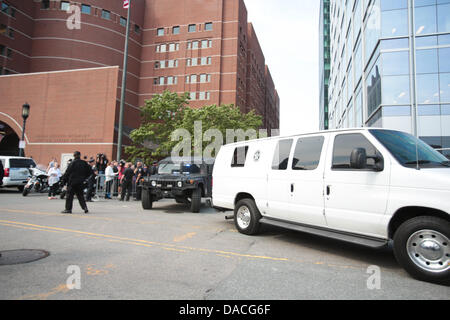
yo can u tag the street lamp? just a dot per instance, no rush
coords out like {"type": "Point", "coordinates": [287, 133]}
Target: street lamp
{"type": "Point", "coordinates": [25, 115]}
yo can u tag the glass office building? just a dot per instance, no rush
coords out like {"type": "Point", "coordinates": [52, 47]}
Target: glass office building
{"type": "Point", "coordinates": [324, 62]}
{"type": "Point", "coordinates": [390, 67]}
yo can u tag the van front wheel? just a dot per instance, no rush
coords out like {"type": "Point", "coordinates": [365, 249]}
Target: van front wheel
{"type": "Point", "coordinates": [422, 248]}
{"type": "Point", "coordinates": [246, 217]}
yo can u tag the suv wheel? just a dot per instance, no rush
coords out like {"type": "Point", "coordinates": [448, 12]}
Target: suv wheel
{"type": "Point", "coordinates": [196, 200]}
{"type": "Point", "coordinates": [147, 201]}
{"type": "Point", "coordinates": [422, 248]}
{"type": "Point", "coordinates": [246, 217]}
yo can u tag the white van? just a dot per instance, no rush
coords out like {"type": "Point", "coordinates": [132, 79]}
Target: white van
{"type": "Point", "coordinates": [365, 186]}
{"type": "Point", "coordinates": [16, 171]}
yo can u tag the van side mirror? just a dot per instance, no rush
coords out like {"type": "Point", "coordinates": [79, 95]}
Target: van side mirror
{"type": "Point", "coordinates": [358, 158]}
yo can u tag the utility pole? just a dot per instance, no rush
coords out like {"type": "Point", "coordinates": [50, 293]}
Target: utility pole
{"type": "Point", "coordinates": [126, 5]}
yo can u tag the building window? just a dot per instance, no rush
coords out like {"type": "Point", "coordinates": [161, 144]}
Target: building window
{"type": "Point", "coordinates": [208, 26]}
{"type": "Point", "coordinates": [176, 30]}
{"type": "Point", "coordinates": [5, 7]}
{"type": "Point", "coordinates": [123, 21]}
{"type": "Point", "coordinates": [8, 9]}
{"type": "Point", "coordinates": [2, 50]}
{"type": "Point", "coordinates": [193, 95]}
{"type": "Point", "coordinates": [45, 4]}
{"type": "Point", "coordinates": [64, 5]}
{"type": "Point", "coordinates": [137, 29]}
{"type": "Point", "coordinates": [160, 32]}
{"type": "Point", "coordinates": [203, 96]}
{"type": "Point", "coordinates": [85, 8]}
{"type": "Point", "coordinates": [106, 14]}
{"type": "Point", "coordinates": [192, 28]}
{"type": "Point", "coordinates": [161, 81]}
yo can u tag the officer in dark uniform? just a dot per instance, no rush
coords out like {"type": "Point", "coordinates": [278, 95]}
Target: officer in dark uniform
{"type": "Point", "coordinates": [2, 172]}
{"type": "Point", "coordinates": [76, 174]}
{"type": "Point", "coordinates": [91, 181]}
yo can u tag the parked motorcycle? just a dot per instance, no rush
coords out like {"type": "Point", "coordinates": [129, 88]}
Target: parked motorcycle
{"type": "Point", "coordinates": [37, 182]}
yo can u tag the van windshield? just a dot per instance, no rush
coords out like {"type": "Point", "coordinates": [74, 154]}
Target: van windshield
{"type": "Point", "coordinates": [408, 150]}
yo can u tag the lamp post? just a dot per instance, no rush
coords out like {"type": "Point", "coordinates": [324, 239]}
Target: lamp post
{"type": "Point", "coordinates": [25, 114]}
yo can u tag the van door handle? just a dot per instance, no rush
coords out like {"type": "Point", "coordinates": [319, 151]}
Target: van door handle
{"type": "Point", "coordinates": [292, 187]}
{"type": "Point", "coordinates": [328, 190]}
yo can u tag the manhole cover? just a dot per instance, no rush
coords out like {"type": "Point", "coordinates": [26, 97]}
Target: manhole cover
{"type": "Point", "coordinates": [21, 256]}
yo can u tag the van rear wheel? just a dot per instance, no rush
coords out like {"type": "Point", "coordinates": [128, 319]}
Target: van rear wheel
{"type": "Point", "coordinates": [422, 248]}
{"type": "Point", "coordinates": [247, 216]}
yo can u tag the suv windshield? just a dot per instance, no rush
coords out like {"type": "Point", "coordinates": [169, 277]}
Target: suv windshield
{"type": "Point", "coordinates": [180, 167]}
{"type": "Point", "coordinates": [408, 150]}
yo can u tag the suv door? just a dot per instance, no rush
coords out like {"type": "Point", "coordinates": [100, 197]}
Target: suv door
{"type": "Point", "coordinates": [18, 168]}
{"type": "Point", "coordinates": [355, 199]}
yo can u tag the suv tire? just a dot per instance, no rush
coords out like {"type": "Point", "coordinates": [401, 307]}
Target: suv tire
{"type": "Point", "coordinates": [247, 216]}
{"type": "Point", "coordinates": [422, 248]}
{"type": "Point", "coordinates": [147, 201]}
{"type": "Point", "coordinates": [196, 200]}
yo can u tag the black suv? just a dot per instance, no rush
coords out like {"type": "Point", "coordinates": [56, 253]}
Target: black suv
{"type": "Point", "coordinates": [186, 180]}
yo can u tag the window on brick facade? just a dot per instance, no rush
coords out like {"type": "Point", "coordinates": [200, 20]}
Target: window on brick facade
{"type": "Point", "coordinates": [176, 30]}
{"type": "Point", "coordinates": [192, 28]}
{"type": "Point", "coordinates": [45, 4]}
{"type": "Point", "coordinates": [106, 14]}
{"type": "Point", "coordinates": [64, 5]}
{"type": "Point", "coordinates": [85, 8]}
{"type": "Point", "coordinates": [160, 32]}
{"type": "Point", "coordinates": [123, 21]}
{"type": "Point", "coordinates": [208, 26]}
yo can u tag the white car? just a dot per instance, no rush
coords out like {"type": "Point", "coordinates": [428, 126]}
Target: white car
{"type": "Point", "coordinates": [366, 186]}
{"type": "Point", "coordinates": [16, 171]}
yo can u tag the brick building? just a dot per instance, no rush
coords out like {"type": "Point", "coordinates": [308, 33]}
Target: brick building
{"type": "Point", "coordinates": [204, 47]}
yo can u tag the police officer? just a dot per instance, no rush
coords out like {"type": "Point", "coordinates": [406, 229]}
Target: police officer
{"type": "Point", "coordinates": [91, 181]}
{"type": "Point", "coordinates": [139, 174]}
{"type": "Point", "coordinates": [1, 172]}
{"type": "Point", "coordinates": [76, 174]}
{"type": "Point", "coordinates": [127, 182]}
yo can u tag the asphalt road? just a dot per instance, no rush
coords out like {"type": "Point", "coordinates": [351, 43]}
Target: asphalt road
{"type": "Point", "coordinates": [120, 251]}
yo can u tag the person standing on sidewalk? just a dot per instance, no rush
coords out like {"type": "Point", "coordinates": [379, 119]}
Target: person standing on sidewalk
{"type": "Point", "coordinates": [76, 174]}
{"type": "Point", "coordinates": [127, 182]}
{"type": "Point", "coordinates": [109, 178]}
{"type": "Point", "coordinates": [53, 181]}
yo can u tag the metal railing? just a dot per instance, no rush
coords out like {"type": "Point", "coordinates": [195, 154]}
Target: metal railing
{"type": "Point", "coordinates": [104, 190]}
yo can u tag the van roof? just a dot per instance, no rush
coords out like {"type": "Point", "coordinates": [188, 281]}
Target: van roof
{"type": "Point", "coordinates": [307, 134]}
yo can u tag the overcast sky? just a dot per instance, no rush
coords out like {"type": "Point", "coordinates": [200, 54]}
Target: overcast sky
{"type": "Point", "coordinates": [288, 32]}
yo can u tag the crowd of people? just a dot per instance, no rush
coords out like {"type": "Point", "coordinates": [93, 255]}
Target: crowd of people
{"type": "Point", "coordinates": [119, 179]}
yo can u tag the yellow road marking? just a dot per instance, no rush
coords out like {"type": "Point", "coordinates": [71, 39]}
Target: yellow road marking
{"type": "Point", "coordinates": [136, 241]}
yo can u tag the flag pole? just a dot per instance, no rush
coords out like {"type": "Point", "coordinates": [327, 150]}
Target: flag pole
{"type": "Point", "coordinates": [124, 84]}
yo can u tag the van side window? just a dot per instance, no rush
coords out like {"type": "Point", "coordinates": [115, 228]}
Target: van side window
{"type": "Point", "coordinates": [239, 156]}
{"type": "Point", "coordinates": [343, 147]}
{"type": "Point", "coordinates": [307, 153]}
{"type": "Point", "coordinates": [281, 156]}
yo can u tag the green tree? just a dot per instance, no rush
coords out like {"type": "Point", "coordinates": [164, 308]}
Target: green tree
{"type": "Point", "coordinates": [160, 117]}
{"type": "Point", "coordinates": [220, 118]}
{"type": "Point", "coordinates": [165, 113]}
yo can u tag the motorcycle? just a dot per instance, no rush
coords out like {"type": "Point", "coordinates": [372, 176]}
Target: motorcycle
{"type": "Point", "coordinates": [37, 182]}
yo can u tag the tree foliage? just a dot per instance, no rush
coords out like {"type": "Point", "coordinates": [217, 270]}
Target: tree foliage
{"type": "Point", "coordinates": [166, 112]}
